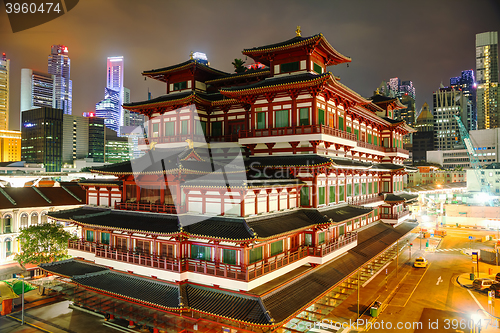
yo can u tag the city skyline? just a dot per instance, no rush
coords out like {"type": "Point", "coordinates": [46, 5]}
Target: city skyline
{"type": "Point", "coordinates": [419, 52]}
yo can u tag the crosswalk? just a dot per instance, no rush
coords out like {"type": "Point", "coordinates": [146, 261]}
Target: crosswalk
{"type": "Point", "coordinates": [447, 250]}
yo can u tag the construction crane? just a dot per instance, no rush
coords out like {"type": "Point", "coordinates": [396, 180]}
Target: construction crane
{"type": "Point", "coordinates": [474, 161]}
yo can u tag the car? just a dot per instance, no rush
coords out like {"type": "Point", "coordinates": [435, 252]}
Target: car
{"type": "Point", "coordinates": [482, 284]}
{"type": "Point", "coordinates": [495, 287]}
{"type": "Point", "coordinates": [420, 262]}
{"type": "Point", "coordinates": [497, 277]}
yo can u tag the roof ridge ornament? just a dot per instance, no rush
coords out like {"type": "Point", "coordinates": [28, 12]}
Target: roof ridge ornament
{"type": "Point", "coordinates": [298, 31]}
{"type": "Point", "coordinates": [191, 55]}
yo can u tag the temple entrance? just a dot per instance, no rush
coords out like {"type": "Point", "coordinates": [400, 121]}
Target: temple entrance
{"type": "Point", "coordinates": [235, 127]}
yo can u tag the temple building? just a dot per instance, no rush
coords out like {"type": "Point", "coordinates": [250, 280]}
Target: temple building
{"type": "Point", "coordinates": [258, 194]}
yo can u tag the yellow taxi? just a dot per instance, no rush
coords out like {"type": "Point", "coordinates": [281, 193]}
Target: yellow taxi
{"type": "Point", "coordinates": [420, 262]}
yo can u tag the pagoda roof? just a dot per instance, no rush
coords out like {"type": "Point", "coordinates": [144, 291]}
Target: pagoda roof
{"type": "Point", "coordinates": [26, 197]}
{"type": "Point", "coordinates": [249, 73]}
{"type": "Point", "coordinates": [241, 183]}
{"type": "Point", "coordinates": [388, 166]}
{"type": "Point", "coordinates": [305, 161]}
{"type": "Point", "coordinates": [70, 267]}
{"type": "Point", "coordinates": [333, 57]}
{"type": "Point", "coordinates": [159, 73]}
{"type": "Point", "coordinates": [343, 213]}
{"type": "Point", "coordinates": [104, 182]}
{"type": "Point", "coordinates": [181, 98]}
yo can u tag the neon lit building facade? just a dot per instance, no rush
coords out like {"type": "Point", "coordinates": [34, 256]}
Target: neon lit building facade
{"type": "Point", "coordinates": [59, 65]}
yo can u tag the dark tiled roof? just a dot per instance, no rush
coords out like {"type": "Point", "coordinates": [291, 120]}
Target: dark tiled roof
{"type": "Point", "coordinates": [394, 198]}
{"type": "Point", "coordinates": [278, 161]}
{"type": "Point", "coordinates": [100, 182]}
{"type": "Point", "coordinates": [388, 166]}
{"type": "Point", "coordinates": [185, 64]}
{"type": "Point", "coordinates": [276, 81]}
{"type": "Point", "coordinates": [25, 197]}
{"type": "Point", "coordinates": [291, 41]}
{"type": "Point", "coordinates": [285, 301]}
{"type": "Point", "coordinates": [247, 73]}
{"type": "Point", "coordinates": [71, 267]}
{"type": "Point", "coordinates": [346, 162]}
{"type": "Point", "coordinates": [344, 213]}
{"type": "Point", "coordinates": [228, 228]}
{"type": "Point", "coordinates": [226, 304]}
{"type": "Point", "coordinates": [176, 96]}
{"type": "Point", "coordinates": [377, 98]}
{"type": "Point", "coordinates": [268, 226]}
{"type": "Point", "coordinates": [131, 286]}
{"type": "Point", "coordinates": [392, 121]}
{"type": "Point", "coordinates": [408, 196]}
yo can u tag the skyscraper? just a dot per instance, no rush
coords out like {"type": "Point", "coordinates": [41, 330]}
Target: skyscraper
{"type": "Point", "coordinates": [487, 79]}
{"type": "Point", "coordinates": [423, 139]}
{"type": "Point", "coordinates": [59, 66]}
{"type": "Point", "coordinates": [467, 84]}
{"type": "Point", "coordinates": [109, 109]}
{"type": "Point", "coordinates": [447, 102]}
{"type": "Point", "coordinates": [114, 81]}
{"type": "Point", "coordinates": [4, 92]}
{"type": "Point", "coordinates": [37, 89]}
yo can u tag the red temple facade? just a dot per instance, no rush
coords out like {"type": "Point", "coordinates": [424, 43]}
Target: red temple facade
{"type": "Point", "coordinates": [283, 167]}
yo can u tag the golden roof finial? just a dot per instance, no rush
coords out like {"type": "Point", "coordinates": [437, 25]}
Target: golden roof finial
{"type": "Point", "coordinates": [152, 145]}
{"type": "Point", "coordinates": [297, 31]}
{"type": "Point", "coordinates": [378, 91]}
{"type": "Point", "coordinates": [191, 55]}
{"type": "Point", "coordinates": [190, 143]}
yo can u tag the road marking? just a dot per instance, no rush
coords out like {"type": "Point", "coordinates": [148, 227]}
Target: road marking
{"type": "Point", "coordinates": [477, 302]}
{"type": "Point", "coordinates": [417, 284]}
{"type": "Point", "coordinates": [439, 280]}
{"type": "Point", "coordinates": [29, 324]}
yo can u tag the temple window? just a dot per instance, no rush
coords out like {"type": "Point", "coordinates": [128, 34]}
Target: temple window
{"type": "Point", "coordinates": [121, 243]}
{"type": "Point", "coordinates": [341, 230]}
{"type": "Point", "coordinates": [255, 255]}
{"type": "Point", "coordinates": [201, 252]}
{"type": "Point", "coordinates": [184, 126]}
{"type": "Point", "coordinates": [321, 195]}
{"type": "Point", "coordinates": [356, 132]}
{"type": "Point", "coordinates": [321, 116]}
{"type": "Point", "coordinates": [321, 237]}
{"type": "Point", "coordinates": [356, 189]}
{"type": "Point", "coordinates": [304, 116]}
{"type": "Point", "coordinates": [89, 236]}
{"type": "Point", "coordinates": [290, 67]}
{"type": "Point", "coordinates": [308, 239]}
{"type": "Point", "coordinates": [341, 193]}
{"type": "Point", "coordinates": [349, 190]}
{"type": "Point", "coordinates": [217, 128]}
{"type": "Point", "coordinates": [341, 123]}
{"type": "Point", "coordinates": [304, 196]}
{"type": "Point", "coordinates": [156, 130]}
{"type": "Point", "coordinates": [332, 193]}
{"type": "Point", "coordinates": [276, 248]}
{"type": "Point", "coordinates": [317, 68]}
{"type": "Point", "coordinates": [282, 118]}
{"type": "Point", "coordinates": [142, 246]}
{"type": "Point", "coordinates": [369, 138]}
{"type": "Point", "coordinates": [180, 85]}
{"type": "Point", "coordinates": [130, 193]}
{"type": "Point", "coordinates": [229, 256]}
{"type": "Point", "coordinates": [150, 195]}
{"type": "Point", "coordinates": [261, 120]}
{"type": "Point", "coordinates": [105, 236]}
{"type": "Point", "coordinates": [169, 128]}
{"type": "Point", "coordinates": [201, 128]}
{"type": "Point", "coordinates": [167, 251]}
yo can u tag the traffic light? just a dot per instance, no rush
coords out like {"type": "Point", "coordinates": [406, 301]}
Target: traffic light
{"type": "Point", "coordinates": [411, 244]}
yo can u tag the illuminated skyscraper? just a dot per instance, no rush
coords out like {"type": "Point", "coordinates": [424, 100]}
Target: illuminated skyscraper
{"type": "Point", "coordinates": [37, 90]}
{"type": "Point", "coordinates": [109, 109]}
{"type": "Point", "coordinates": [4, 92]}
{"type": "Point", "coordinates": [59, 66]}
{"type": "Point", "coordinates": [114, 81]}
{"type": "Point", "coordinates": [467, 84]}
{"type": "Point", "coordinates": [487, 79]}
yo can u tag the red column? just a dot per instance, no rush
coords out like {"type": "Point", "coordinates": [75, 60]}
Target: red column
{"type": "Point", "coordinates": [109, 195]}
{"type": "Point", "coordinates": [203, 202]}
{"type": "Point", "coordinates": [314, 111]}
{"type": "Point", "coordinates": [315, 192]}
{"type": "Point", "coordinates": [222, 202]}
{"type": "Point", "coordinates": [242, 203]}
{"type": "Point", "coordinates": [256, 201]}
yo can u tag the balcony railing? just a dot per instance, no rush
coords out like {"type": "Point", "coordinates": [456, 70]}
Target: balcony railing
{"type": "Point", "coordinates": [172, 138]}
{"type": "Point", "coordinates": [147, 207]}
{"type": "Point", "coordinates": [370, 146]}
{"type": "Point", "coordinates": [396, 150]}
{"type": "Point", "coordinates": [395, 216]}
{"type": "Point", "coordinates": [235, 272]}
{"type": "Point", "coordinates": [298, 130]}
{"type": "Point", "coordinates": [363, 201]}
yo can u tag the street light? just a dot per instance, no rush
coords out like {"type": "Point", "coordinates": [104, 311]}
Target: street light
{"type": "Point", "coordinates": [21, 277]}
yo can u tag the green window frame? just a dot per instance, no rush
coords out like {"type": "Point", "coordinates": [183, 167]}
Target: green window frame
{"type": "Point", "coordinates": [332, 194]}
{"type": "Point", "coordinates": [356, 132]}
{"type": "Point", "coordinates": [370, 188]}
{"type": "Point", "coordinates": [169, 128]}
{"type": "Point", "coordinates": [304, 116]}
{"type": "Point", "coordinates": [156, 130]}
{"type": "Point", "coordinates": [276, 247]}
{"type": "Point", "coordinates": [201, 129]}
{"type": "Point", "coordinates": [341, 230]}
{"type": "Point", "coordinates": [321, 195]}
{"type": "Point", "coordinates": [261, 120]}
{"type": "Point", "coordinates": [180, 85]}
{"type": "Point", "coordinates": [349, 190]}
{"type": "Point", "coordinates": [89, 236]}
{"type": "Point", "coordinates": [317, 68]}
{"type": "Point", "coordinates": [255, 255]}
{"type": "Point", "coordinates": [201, 252]}
{"type": "Point", "coordinates": [369, 138]}
{"type": "Point", "coordinates": [348, 129]}
{"type": "Point", "coordinates": [321, 237]}
{"type": "Point", "coordinates": [356, 189]}
{"type": "Point", "coordinates": [105, 237]}
{"type": "Point", "coordinates": [281, 118]}
{"type": "Point", "coordinates": [375, 187]}
{"type": "Point", "coordinates": [217, 128]}
{"type": "Point", "coordinates": [363, 188]}
{"type": "Point", "coordinates": [290, 67]}
{"type": "Point", "coordinates": [341, 193]}
{"type": "Point", "coordinates": [341, 123]}
{"type": "Point", "coordinates": [304, 196]}
{"type": "Point", "coordinates": [321, 116]}
{"type": "Point", "coordinates": [229, 256]}
{"type": "Point", "coordinates": [184, 126]}
{"type": "Point", "coordinates": [308, 239]}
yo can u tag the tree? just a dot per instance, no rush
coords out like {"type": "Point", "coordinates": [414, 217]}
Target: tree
{"type": "Point", "coordinates": [238, 66]}
{"type": "Point", "coordinates": [43, 243]}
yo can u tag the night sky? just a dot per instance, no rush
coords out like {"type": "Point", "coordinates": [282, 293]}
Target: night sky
{"type": "Point", "coordinates": [426, 42]}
